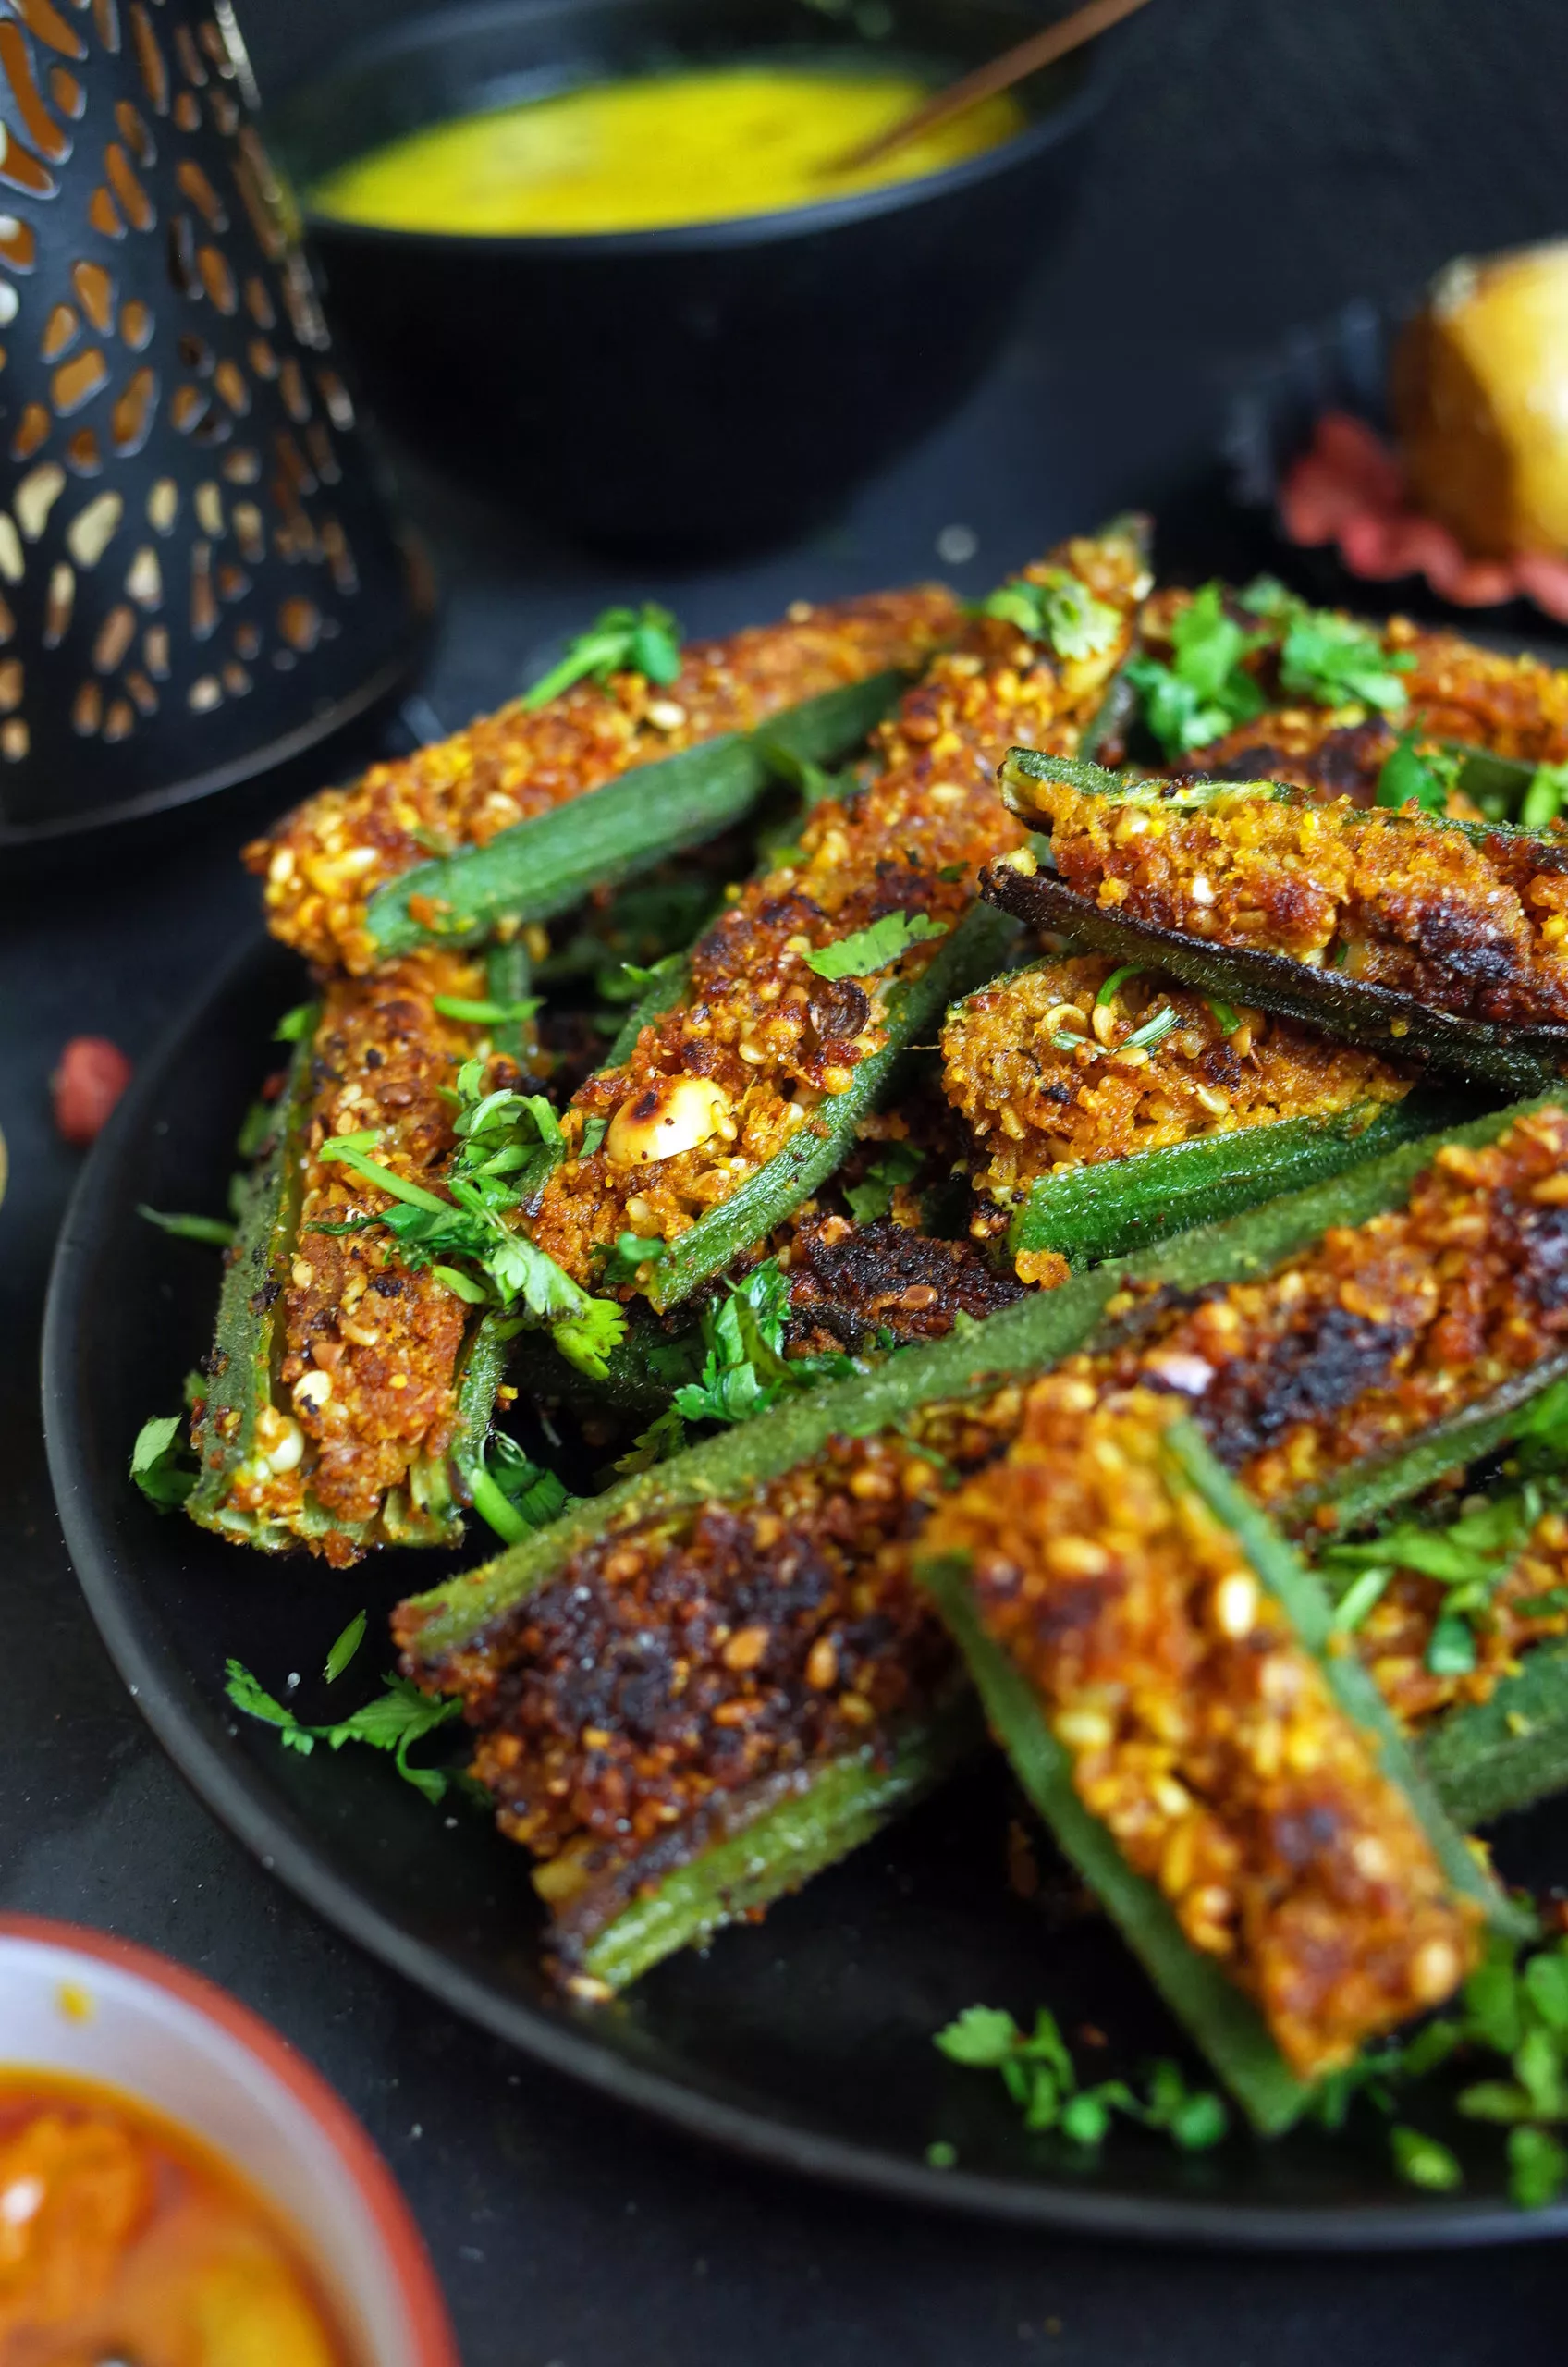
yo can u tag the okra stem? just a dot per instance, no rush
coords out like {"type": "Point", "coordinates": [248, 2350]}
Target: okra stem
{"type": "Point", "coordinates": [543, 867]}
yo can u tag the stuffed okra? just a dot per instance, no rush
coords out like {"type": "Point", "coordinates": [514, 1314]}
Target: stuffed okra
{"type": "Point", "coordinates": [744, 1088]}
{"type": "Point", "coordinates": [1310, 1338]}
{"type": "Point", "coordinates": [1110, 1106]}
{"type": "Point", "coordinates": [351, 1387]}
{"type": "Point", "coordinates": [1253, 685]}
{"type": "Point", "coordinates": [1458, 1606]}
{"type": "Point", "coordinates": [1388, 926]}
{"type": "Point", "coordinates": [470, 834]}
{"type": "Point", "coordinates": [716, 1679]}
{"type": "Point", "coordinates": [1156, 1665]}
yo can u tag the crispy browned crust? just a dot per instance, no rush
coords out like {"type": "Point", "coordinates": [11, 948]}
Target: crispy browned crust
{"type": "Point", "coordinates": [672, 1661]}
{"type": "Point", "coordinates": [382, 1341]}
{"type": "Point", "coordinates": [1034, 1106]}
{"type": "Point", "coordinates": [1200, 1733]}
{"type": "Point", "coordinates": [849, 1282]}
{"type": "Point", "coordinates": [325, 860]}
{"type": "Point", "coordinates": [1473, 926]}
{"type": "Point", "coordinates": [757, 1026]}
{"type": "Point", "coordinates": [1381, 1329]}
{"type": "Point", "coordinates": [1393, 1638]}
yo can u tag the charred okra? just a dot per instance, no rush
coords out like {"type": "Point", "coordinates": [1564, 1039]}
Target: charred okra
{"type": "Point", "coordinates": [366, 1303]}
{"type": "Point", "coordinates": [1387, 927]}
{"type": "Point", "coordinates": [1110, 1107]}
{"type": "Point", "coordinates": [695, 1692]}
{"type": "Point", "coordinates": [755, 1063]}
{"type": "Point", "coordinates": [1154, 1661]}
{"type": "Point", "coordinates": [1253, 684]}
{"type": "Point", "coordinates": [521, 814]}
{"type": "Point", "coordinates": [1313, 1340]}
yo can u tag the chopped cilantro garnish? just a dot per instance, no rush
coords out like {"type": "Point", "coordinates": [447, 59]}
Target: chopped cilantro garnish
{"type": "Point", "coordinates": [899, 1164]}
{"type": "Point", "coordinates": [506, 1143]}
{"type": "Point", "coordinates": [644, 641]}
{"type": "Point", "coordinates": [1421, 2160]}
{"type": "Point", "coordinates": [1060, 610]}
{"type": "Point", "coordinates": [295, 1025]}
{"type": "Point", "coordinates": [514, 1494]}
{"type": "Point", "coordinates": [484, 1012]}
{"type": "Point", "coordinates": [1537, 2167]}
{"type": "Point", "coordinates": [1205, 690]}
{"type": "Point", "coordinates": [160, 1464]}
{"type": "Point", "coordinates": [1542, 802]}
{"type": "Point", "coordinates": [217, 1231]}
{"type": "Point", "coordinates": [1468, 1557]}
{"type": "Point", "coordinates": [1154, 1031]}
{"type": "Point", "coordinates": [1332, 661]}
{"type": "Point", "coordinates": [1515, 2005]}
{"type": "Point", "coordinates": [630, 1251]}
{"type": "Point", "coordinates": [1406, 778]}
{"type": "Point", "coordinates": [394, 1722]}
{"type": "Point", "coordinates": [875, 948]}
{"type": "Point", "coordinates": [664, 1437]}
{"type": "Point", "coordinates": [745, 1368]}
{"type": "Point", "coordinates": [343, 1651]}
{"type": "Point", "coordinates": [1040, 2076]}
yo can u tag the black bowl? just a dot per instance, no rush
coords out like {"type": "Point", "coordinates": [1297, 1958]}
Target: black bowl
{"type": "Point", "coordinates": [710, 386]}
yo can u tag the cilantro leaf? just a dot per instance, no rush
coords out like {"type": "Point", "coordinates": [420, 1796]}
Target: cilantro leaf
{"type": "Point", "coordinates": [629, 1251]}
{"type": "Point", "coordinates": [645, 640]}
{"type": "Point", "coordinates": [982, 2036]}
{"type": "Point", "coordinates": [295, 1025]}
{"type": "Point", "coordinates": [1205, 690]}
{"type": "Point", "coordinates": [217, 1231]}
{"type": "Point", "coordinates": [873, 1199]}
{"type": "Point", "coordinates": [1059, 609]}
{"type": "Point", "coordinates": [255, 1128]}
{"type": "Point", "coordinates": [343, 1651]}
{"type": "Point", "coordinates": [1422, 2161]}
{"type": "Point", "coordinates": [1406, 778]}
{"type": "Point", "coordinates": [876, 948]}
{"type": "Point", "coordinates": [248, 1694]}
{"type": "Point", "coordinates": [160, 1464]}
{"type": "Point", "coordinates": [512, 1494]}
{"type": "Point", "coordinates": [664, 1437]}
{"type": "Point", "coordinates": [506, 1141]}
{"type": "Point", "coordinates": [484, 1011]}
{"type": "Point", "coordinates": [745, 1368]}
{"type": "Point", "coordinates": [1538, 2168]}
{"type": "Point", "coordinates": [1332, 661]}
{"type": "Point", "coordinates": [393, 1721]}
{"type": "Point", "coordinates": [1040, 2076]}
{"type": "Point", "coordinates": [588, 1337]}
{"type": "Point", "coordinates": [1542, 802]}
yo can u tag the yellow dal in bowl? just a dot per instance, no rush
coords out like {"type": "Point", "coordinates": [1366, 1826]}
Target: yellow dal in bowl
{"type": "Point", "coordinates": [702, 146]}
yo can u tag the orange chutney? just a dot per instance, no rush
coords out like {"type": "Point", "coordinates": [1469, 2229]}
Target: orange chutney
{"type": "Point", "coordinates": [123, 2238]}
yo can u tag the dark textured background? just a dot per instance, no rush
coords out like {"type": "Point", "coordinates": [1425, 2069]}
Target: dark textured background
{"type": "Point", "coordinates": [1264, 160]}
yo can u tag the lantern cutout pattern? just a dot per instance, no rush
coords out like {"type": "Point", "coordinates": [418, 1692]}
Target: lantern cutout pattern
{"type": "Point", "coordinates": [196, 561]}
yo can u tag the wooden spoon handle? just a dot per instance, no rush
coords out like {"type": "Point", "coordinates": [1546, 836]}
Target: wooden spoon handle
{"type": "Point", "coordinates": [1041, 49]}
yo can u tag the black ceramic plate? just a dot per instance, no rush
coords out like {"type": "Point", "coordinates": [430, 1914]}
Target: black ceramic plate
{"type": "Point", "coordinates": [804, 2042]}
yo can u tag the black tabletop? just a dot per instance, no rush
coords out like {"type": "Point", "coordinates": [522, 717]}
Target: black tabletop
{"type": "Point", "coordinates": [1268, 159]}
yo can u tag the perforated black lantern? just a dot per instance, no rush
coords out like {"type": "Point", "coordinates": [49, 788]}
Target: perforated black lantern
{"type": "Point", "coordinates": [198, 574]}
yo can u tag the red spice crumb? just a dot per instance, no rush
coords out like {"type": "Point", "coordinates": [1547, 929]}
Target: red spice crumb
{"type": "Point", "coordinates": [91, 1078]}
